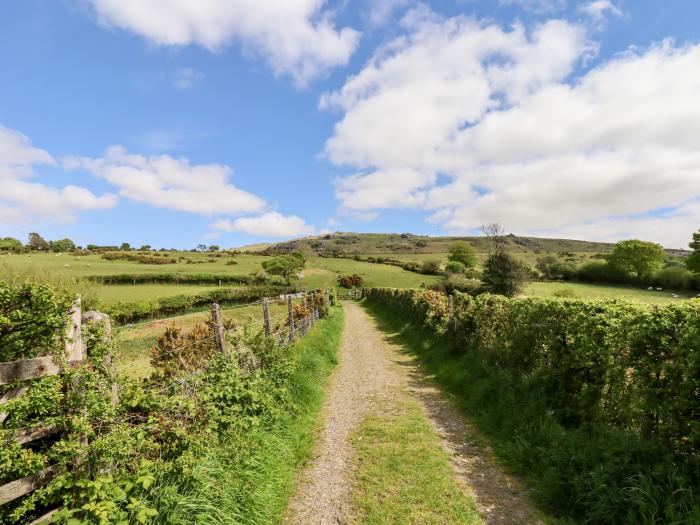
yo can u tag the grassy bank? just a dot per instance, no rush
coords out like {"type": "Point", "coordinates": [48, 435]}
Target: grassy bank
{"type": "Point", "coordinates": [586, 474]}
{"type": "Point", "coordinates": [403, 474]}
{"type": "Point", "coordinates": [247, 478]}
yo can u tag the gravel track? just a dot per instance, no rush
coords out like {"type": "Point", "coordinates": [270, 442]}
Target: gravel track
{"type": "Point", "coordinates": [373, 373]}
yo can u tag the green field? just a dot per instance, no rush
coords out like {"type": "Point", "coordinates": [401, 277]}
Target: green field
{"type": "Point", "coordinates": [321, 272]}
{"type": "Point", "coordinates": [597, 291]}
{"type": "Point", "coordinates": [127, 293]}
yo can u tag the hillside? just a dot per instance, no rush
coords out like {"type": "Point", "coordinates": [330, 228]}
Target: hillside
{"type": "Point", "coordinates": [348, 243]}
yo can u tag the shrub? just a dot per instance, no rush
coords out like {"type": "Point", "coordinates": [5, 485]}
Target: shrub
{"type": "Point", "coordinates": [350, 281]}
{"type": "Point", "coordinates": [431, 267]}
{"type": "Point", "coordinates": [564, 292]}
{"type": "Point", "coordinates": [454, 267]}
{"type": "Point", "coordinates": [503, 274]}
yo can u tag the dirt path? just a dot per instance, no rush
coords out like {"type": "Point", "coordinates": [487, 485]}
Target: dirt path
{"type": "Point", "coordinates": [372, 374]}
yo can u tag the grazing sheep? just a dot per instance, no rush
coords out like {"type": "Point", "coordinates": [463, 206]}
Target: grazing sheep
{"type": "Point", "coordinates": [659, 289]}
{"type": "Point", "coordinates": [674, 295]}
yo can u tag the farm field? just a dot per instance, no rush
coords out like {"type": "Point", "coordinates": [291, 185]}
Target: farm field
{"type": "Point", "coordinates": [126, 293]}
{"type": "Point", "coordinates": [325, 270]}
{"type": "Point", "coordinates": [599, 291]}
{"type": "Point", "coordinates": [133, 342]}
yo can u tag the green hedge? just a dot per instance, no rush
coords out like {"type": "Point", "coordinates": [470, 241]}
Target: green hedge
{"type": "Point", "coordinates": [177, 278]}
{"type": "Point", "coordinates": [130, 312]}
{"type": "Point", "coordinates": [595, 367]}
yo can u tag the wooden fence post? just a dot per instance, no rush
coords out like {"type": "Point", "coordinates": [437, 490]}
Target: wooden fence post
{"type": "Point", "coordinates": [74, 340]}
{"type": "Point", "coordinates": [290, 313]}
{"type": "Point", "coordinates": [95, 317]}
{"type": "Point", "coordinates": [451, 310]}
{"type": "Point", "coordinates": [266, 317]}
{"type": "Point", "coordinates": [218, 327]}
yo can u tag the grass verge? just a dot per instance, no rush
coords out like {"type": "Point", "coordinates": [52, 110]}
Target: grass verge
{"type": "Point", "coordinates": [403, 475]}
{"type": "Point", "coordinates": [592, 474]}
{"type": "Point", "coordinates": [247, 478]}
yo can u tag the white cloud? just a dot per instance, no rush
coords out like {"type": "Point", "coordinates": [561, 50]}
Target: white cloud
{"type": "Point", "coordinates": [599, 9]}
{"type": "Point", "coordinates": [476, 124]}
{"type": "Point", "coordinates": [163, 181]}
{"type": "Point", "coordinates": [295, 37]}
{"type": "Point", "coordinates": [23, 200]}
{"type": "Point", "coordinates": [186, 78]}
{"type": "Point", "coordinates": [538, 6]}
{"type": "Point", "coordinates": [270, 224]}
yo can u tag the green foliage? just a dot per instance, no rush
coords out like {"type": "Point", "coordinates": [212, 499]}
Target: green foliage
{"type": "Point", "coordinates": [693, 260]}
{"type": "Point", "coordinates": [595, 401]}
{"type": "Point", "coordinates": [286, 266]}
{"type": "Point", "coordinates": [454, 267]}
{"type": "Point", "coordinates": [503, 274]}
{"type": "Point", "coordinates": [37, 242]}
{"type": "Point", "coordinates": [430, 267]}
{"type": "Point", "coordinates": [462, 252]}
{"type": "Point", "coordinates": [10, 244]}
{"type": "Point", "coordinates": [166, 306]}
{"type": "Point", "coordinates": [62, 245]}
{"type": "Point", "coordinates": [673, 278]}
{"type": "Point", "coordinates": [639, 258]}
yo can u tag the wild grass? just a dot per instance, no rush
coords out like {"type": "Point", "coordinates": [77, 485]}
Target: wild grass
{"type": "Point", "coordinates": [599, 291]}
{"type": "Point", "coordinates": [247, 478]}
{"type": "Point", "coordinates": [591, 474]}
{"type": "Point", "coordinates": [403, 476]}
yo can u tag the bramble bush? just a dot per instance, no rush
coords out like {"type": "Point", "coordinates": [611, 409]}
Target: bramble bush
{"type": "Point", "coordinates": [603, 395]}
{"type": "Point", "coordinates": [142, 462]}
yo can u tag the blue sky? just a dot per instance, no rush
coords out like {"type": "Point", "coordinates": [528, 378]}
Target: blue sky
{"type": "Point", "coordinates": [233, 121]}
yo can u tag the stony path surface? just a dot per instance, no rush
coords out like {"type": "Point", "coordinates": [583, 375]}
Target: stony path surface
{"type": "Point", "coordinates": [372, 374]}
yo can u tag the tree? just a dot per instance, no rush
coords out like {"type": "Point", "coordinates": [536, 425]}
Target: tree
{"type": "Point", "coordinates": [504, 274]}
{"type": "Point", "coordinates": [462, 252]}
{"type": "Point", "coordinates": [430, 267]}
{"type": "Point", "coordinates": [37, 242]}
{"type": "Point", "coordinates": [201, 248]}
{"type": "Point", "coordinates": [125, 247]}
{"type": "Point", "coordinates": [285, 266]}
{"type": "Point", "coordinates": [547, 265]}
{"type": "Point", "coordinates": [693, 260]}
{"type": "Point", "coordinates": [639, 258]}
{"type": "Point", "coordinates": [145, 248]}
{"type": "Point", "coordinates": [62, 245]}
{"type": "Point", "coordinates": [454, 267]}
{"type": "Point", "coordinates": [494, 236]}
{"type": "Point", "coordinates": [10, 244]}
{"type": "Point", "coordinates": [214, 248]}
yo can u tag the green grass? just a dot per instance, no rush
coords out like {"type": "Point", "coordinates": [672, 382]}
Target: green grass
{"type": "Point", "coordinates": [126, 293]}
{"type": "Point", "coordinates": [324, 272]}
{"type": "Point", "coordinates": [134, 343]}
{"type": "Point", "coordinates": [598, 291]}
{"type": "Point", "coordinates": [403, 475]}
{"type": "Point", "coordinates": [248, 478]}
{"type": "Point", "coordinates": [96, 265]}
{"type": "Point", "coordinates": [591, 474]}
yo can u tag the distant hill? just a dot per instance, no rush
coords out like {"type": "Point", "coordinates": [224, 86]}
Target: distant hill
{"type": "Point", "coordinates": [348, 243]}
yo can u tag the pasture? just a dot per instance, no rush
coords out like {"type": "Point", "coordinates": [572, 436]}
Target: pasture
{"type": "Point", "coordinates": [599, 291]}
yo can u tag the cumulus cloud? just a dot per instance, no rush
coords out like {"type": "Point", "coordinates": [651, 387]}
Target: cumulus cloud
{"type": "Point", "coordinates": [295, 37]}
{"type": "Point", "coordinates": [475, 123]}
{"type": "Point", "coordinates": [599, 9]}
{"type": "Point", "coordinates": [270, 224]}
{"type": "Point", "coordinates": [23, 200]}
{"type": "Point", "coordinates": [163, 181]}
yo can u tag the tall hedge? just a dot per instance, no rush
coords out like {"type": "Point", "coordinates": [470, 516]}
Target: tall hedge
{"type": "Point", "coordinates": [631, 366]}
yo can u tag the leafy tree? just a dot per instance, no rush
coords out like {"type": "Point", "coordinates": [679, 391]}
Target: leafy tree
{"type": "Point", "coordinates": [201, 248]}
{"type": "Point", "coordinates": [11, 244]}
{"type": "Point", "coordinates": [430, 267]}
{"type": "Point", "coordinates": [547, 266]}
{"type": "Point", "coordinates": [462, 252]}
{"type": "Point", "coordinates": [693, 260]}
{"type": "Point", "coordinates": [125, 246]}
{"type": "Point", "coordinates": [62, 245]}
{"type": "Point", "coordinates": [504, 274]}
{"type": "Point", "coordinates": [454, 267]}
{"type": "Point", "coordinates": [639, 258]}
{"type": "Point", "coordinates": [285, 266]}
{"type": "Point", "coordinates": [37, 242]}
{"type": "Point", "coordinates": [214, 248]}
{"type": "Point", "coordinates": [145, 248]}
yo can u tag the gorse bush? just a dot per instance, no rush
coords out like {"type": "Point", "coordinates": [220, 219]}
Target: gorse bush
{"type": "Point", "coordinates": [596, 401]}
{"type": "Point", "coordinates": [350, 281]}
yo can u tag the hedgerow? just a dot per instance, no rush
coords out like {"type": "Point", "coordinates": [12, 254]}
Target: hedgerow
{"type": "Point", "coordinates": [179, 278]}
{"type": "Point", "coordinates": [135, 311]}
{"type": "Point", "coordinates": [142, 461]}
{"type": "Point", "coordinates": [621, 380]}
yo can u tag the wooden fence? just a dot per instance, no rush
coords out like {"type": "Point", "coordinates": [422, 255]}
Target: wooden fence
{"type": "Point", "coordinates": [76, 354]}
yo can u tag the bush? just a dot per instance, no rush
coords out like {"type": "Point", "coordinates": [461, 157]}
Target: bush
{"type": "Point", "coordinates": [596, 401]}
{"type": "Point", "coordinates": [454, 267]}
{"type": "Point", "coordinates": [505, 275]}
{"type": "Point", "coordinates": [350, 281]}
{"type": "Point", "coordinates": [430, 267]}
{"type": "Point", "coordinates": [673, 278]}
